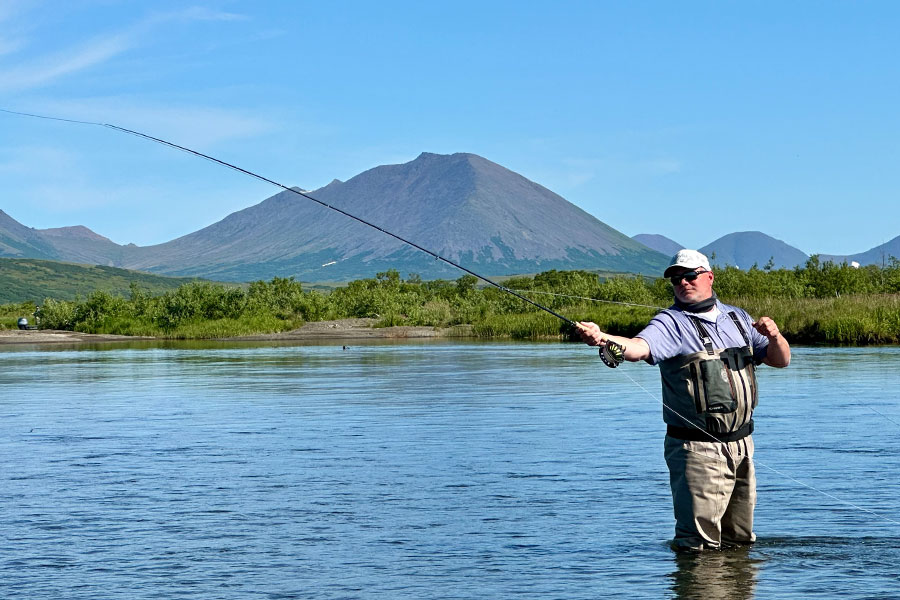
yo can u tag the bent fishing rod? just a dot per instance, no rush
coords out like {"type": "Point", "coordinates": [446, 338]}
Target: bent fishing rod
{"type": "Point", "coordinates": [299, 193]}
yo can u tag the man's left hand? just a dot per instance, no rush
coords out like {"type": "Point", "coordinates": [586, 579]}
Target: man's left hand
{"type": "Point", "coordinates": [767, 327]}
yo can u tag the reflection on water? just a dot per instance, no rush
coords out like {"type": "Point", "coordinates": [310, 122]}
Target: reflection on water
{"type": "Point", "coordinates": [791, 567]}
{"type": "Point", "coordinates": [421, 470]}
{"type": "Point", "coordinates": [719, 575]}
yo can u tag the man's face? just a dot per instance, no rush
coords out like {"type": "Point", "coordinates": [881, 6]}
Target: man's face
{"type": "Point", "coordinates": [692, 291]}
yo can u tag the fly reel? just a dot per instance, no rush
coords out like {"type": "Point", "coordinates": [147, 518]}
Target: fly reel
{"type": "Point", "coordinates": [612, 354]}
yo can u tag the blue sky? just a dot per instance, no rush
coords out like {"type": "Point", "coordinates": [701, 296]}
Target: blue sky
{"type": "Point", "coordinates": [688, 119]}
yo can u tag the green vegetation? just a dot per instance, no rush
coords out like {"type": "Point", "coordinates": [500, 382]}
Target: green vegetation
{"type": "Point", "coordinates": [195, 310]}
{"type": "Point", "coordinates": [817, 303]}
{"type": "Point", "coordinates": [25, 279]}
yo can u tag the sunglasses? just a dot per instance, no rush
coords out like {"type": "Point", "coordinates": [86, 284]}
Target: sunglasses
{"type": "Point", "coordinates": [690, 276]}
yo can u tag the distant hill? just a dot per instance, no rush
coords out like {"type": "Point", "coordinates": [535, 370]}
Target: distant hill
{"type": "Point", "coordinates": [879, 255]}
{"type": "Point", "coordinates": [76, 244]}
{"type": "Point", "coordinates": [461, 206]}
{"type": "Point", "coordinates": [25, 242]}
{"type": "Point", "coordinates": [23, 279]}
{"type": "Point", "coordinates": [79, 244]}
{"type": "Point", "coordinates": [657, 242]}
{"type": "Point", "coordinates": [748, 248]}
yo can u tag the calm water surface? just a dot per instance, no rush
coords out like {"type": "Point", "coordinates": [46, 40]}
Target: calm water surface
{"type": "Point", "coordinates": [422, 470]}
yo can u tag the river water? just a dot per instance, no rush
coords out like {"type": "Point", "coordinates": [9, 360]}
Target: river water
{"type": "Point", "coordinates": [422, 470]}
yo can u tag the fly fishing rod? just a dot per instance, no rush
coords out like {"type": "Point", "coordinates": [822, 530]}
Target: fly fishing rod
{"type": "Point", "coordinates": [303, 194]}
{"type": "Point", "coordinates": [611, 353]}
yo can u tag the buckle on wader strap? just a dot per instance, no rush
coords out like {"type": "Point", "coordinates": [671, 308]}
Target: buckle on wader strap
{"type": "Point", "coordinates": [703, 334]}
{"type": "Point", "coordinates": [693, 434]}
{"type": "Point", "coordinates": [706, 339]}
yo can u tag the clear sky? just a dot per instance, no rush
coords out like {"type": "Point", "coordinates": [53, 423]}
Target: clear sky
{"type": "Point", "coordinates": [687, 119]}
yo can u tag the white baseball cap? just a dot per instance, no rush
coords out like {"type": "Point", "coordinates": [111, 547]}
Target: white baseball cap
{"type": "Point", "coordinates": [688, 259]}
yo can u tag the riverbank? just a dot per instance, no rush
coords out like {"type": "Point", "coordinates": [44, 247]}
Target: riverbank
{"type": "Point", "coordinates": [342, 329]}
{"type": "Point", "coordinates": [55, 336]}
{"type": "Point", "coordinates": [358, 328]}
{"type": "Point", "coordinates": [820, 304]}
{"type": "Point", "coordinates": [862, 320]}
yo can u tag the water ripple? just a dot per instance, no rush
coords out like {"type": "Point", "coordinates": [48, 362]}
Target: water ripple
{"type": "Point", "coordinates": [433, 470]}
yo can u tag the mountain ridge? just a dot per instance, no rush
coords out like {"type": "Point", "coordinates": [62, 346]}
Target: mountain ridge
{"type": "Point", "coordinates": [658, 242]}
{"type": "Point", "coordinates": [17, 240]}
{"type": "Point", "coordinates": [463, 207]}
{"type": "Point", "coordinates": [744, 249]}
{"type": "Point", "coordinates": [879, 255]}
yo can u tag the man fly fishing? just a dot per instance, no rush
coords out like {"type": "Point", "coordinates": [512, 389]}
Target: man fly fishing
{"type": "Point", "coordinates": [707, 354]}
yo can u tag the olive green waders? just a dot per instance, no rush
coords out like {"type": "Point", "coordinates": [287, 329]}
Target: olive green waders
{"type": "Point", "coordinates": [713, 492]}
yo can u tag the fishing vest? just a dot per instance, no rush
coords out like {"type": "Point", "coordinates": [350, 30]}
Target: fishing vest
{"type": "Point", "coordinates": [712, 391]}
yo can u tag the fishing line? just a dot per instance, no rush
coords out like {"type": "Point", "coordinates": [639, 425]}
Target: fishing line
{"type": "Point", "coordinates": [656, 308]}
{"type": "Point", "coordinates": [299, 193]}
{"type": "Point", "coordinates": [883, 415]}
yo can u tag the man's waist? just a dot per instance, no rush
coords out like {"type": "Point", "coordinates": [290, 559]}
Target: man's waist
{"type": "Point", "coordinates": [696, 434]}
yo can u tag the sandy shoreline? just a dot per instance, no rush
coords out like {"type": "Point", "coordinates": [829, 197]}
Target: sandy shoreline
{"type": "Point", "coordinates": [347, 329]}
{"type": "Point", "coordinates": [53, 336]}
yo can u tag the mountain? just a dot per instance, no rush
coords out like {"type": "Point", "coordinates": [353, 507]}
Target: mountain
{"type": "Point", "coordinates": [747, 248]}
{"type": "Point", "coordinates": [76, 244]}
{"type": "Point", "coordinates": [79, 244]}
{"type": "Point", "coordinates": [657, 242]}
{"type": "Point", "coordinates": [461, 206]}
{"type": "Point", "coordinates": [879, 255]}
{"type": "Point", "coordinates": [16, 240]}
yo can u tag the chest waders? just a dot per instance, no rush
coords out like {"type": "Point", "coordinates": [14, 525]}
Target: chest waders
{"type": "Point", "coordinates": [710, 395]}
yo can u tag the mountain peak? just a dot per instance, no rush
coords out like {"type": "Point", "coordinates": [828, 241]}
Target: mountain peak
{"type": "Point", "coordinates": [74, 232]}
{"type": "Point", "coordinates": [436, 156]}
{"type": "Point", "coordinates": [431, 159]}
{"type": "Point", "coordinates": [461, 206]}
{"type": "Point", "coordinates": [747, 248]}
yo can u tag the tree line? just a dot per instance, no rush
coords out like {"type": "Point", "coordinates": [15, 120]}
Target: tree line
{"type": "Point", "coordinates": [818, 302]}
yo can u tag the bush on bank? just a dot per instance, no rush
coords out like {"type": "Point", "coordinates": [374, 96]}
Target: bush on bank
{"type": "Point", "coordinates": [194, 310]}
{"type": "Point", "coordinates": [821, 302]}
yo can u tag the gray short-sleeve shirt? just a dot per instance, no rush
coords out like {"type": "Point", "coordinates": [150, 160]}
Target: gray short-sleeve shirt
{"type": "Point", "coordinates": [671, 333]}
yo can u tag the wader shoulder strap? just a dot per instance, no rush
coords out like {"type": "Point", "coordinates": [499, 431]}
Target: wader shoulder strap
{"type": "Point", "coordinates": [740, 327]}
{"type": "Point", "coordinates": [703, 333]}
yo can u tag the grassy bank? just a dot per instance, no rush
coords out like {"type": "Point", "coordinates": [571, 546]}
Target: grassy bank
{"type": "Point", "coordinates": [33, 279]}
{"type": "Point", "coordinates": [854, 320]}
{"type": "Point", "coordinates": [843, 321]}
{"type": "Point", "coordinates": [819, 303]}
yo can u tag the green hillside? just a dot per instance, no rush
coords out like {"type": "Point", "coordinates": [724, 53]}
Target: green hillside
{"type": "Point", "coordinates": [24, 279]}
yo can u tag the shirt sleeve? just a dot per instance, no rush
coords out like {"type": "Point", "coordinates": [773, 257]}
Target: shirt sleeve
{"type": "Point", "coordinates": [664, 337]}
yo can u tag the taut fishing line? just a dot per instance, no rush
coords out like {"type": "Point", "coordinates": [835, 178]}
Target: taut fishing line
{"type": "Point", "coordinates": [613, 354]}
{"type": "Point", "coordinates": [878, 412]}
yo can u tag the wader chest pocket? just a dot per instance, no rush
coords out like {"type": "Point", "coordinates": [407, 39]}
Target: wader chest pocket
{"type": "Point", "coordinates": [714, 387]}
{"type": "Point", "coordinates": [742, 372]}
